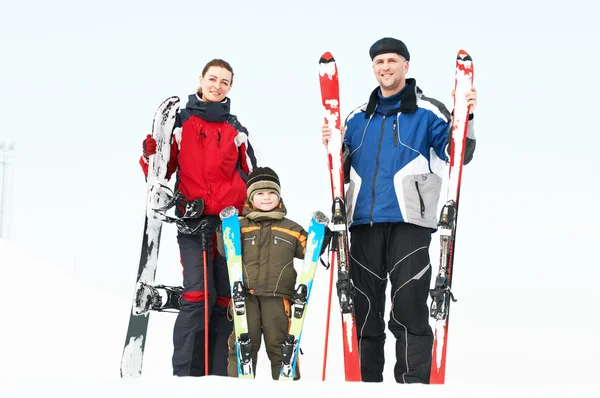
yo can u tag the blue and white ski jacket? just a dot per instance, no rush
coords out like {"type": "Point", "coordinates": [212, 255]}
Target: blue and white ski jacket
{"type": "Point", "coordinates": [388, 159]}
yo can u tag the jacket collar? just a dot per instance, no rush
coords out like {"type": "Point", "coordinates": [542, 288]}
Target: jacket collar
{"type": "Point", "coordinates": [408, 99]}
{"type": "Point", "coordinates": [209, 111]}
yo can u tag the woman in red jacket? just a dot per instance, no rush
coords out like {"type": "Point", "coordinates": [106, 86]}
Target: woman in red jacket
{"type": "Point", "coordinates": [212, 157]}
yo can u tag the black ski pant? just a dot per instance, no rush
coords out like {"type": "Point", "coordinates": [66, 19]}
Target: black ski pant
{"type": "Point", "coordinates": [188, 333]}
{"type": "Point", "coordinates": [398, 252]}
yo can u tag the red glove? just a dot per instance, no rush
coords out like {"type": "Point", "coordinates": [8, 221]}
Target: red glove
{"type": "Point", "coordinates": [149, 146]}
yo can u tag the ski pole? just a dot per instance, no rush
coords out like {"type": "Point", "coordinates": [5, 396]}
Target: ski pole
{"type": "Point", "coordinates": [204, 238]}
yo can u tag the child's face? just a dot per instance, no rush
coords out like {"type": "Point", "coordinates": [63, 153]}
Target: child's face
{"type": "Point", "coordinates": [265, 200]}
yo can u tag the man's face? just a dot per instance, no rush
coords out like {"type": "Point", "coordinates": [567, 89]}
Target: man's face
{"type": "Point", "coordinates": [390, 70]}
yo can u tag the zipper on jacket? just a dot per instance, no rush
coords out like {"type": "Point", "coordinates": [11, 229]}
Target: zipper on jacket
{"type": "Point", "coordinates": [420, 199]}
{"type": "Point", "coordinates": [395, 134]}
{"type": "Point", "coordinates": [219, 138]}
{"type": "Point", "coordinates": [201, 137]}
{"type": "Point", "coordinates": [252, 239]}
{"type": "Point", "coordinates": [276, 238]}
{"type": "Point", "coordinates": [376, 170]}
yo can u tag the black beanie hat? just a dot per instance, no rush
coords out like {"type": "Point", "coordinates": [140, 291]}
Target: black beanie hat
{"type": "Point", "coordinates": [389, 45]}
{"type": "Point", "coordinates": [262, 178]}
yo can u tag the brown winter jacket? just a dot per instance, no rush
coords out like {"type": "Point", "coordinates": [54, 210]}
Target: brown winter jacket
{"type": "Point", "coordinates": [270, 242]}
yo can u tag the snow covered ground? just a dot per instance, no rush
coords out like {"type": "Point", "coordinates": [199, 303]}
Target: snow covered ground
{"type": "Point", "coordinates": [62, 335]}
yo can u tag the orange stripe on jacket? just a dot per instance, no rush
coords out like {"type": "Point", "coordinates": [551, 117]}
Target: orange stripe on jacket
{"type": "Point", "coordinates": [301, 238]}
{"type": "Point", "coordinates": [249, 229]}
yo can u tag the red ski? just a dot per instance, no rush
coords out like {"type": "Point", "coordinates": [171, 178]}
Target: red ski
{"type": "Point", "coordinates": [328, 77]}
{"type": "Point", "coordinates": [441, 293]}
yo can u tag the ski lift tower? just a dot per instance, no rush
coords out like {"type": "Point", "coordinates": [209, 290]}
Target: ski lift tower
{"type": "Point", "coordinates": [5, 151]}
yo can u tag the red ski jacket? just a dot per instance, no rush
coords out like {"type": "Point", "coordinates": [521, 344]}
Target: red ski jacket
{"type": "Point", "coordinates": [211, 154]}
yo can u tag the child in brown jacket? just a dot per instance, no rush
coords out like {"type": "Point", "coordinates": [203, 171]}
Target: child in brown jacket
{"type": "Point", "coordinates": [270, 242]}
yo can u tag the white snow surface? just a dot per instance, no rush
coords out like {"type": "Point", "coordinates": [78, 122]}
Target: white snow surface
{"type": "Point", "coordinates": [63, 335]}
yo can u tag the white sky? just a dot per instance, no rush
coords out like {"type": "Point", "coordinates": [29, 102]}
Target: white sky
{"type": "Point", "coordinates": [79, 85]}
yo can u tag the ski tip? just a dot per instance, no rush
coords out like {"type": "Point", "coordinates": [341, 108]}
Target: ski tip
{"type": "Point", "coordinates": [463, 56]}
{"type": "Point", "coordinates": [320, 217]}
{"type": "Point", "coordinates": [326, 58]}
{"type": "Point", "coordinates": [228, 212]}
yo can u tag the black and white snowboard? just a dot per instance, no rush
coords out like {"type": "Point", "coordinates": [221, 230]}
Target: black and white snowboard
{"type": "Point", "coordinates": [162, 129]}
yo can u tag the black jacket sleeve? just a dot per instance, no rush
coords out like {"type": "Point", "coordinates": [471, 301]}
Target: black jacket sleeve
{"type": "Point", "coordinates": [346, 161]}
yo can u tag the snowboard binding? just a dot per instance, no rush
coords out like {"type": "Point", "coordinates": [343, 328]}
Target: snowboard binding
{"type": "Point", "coordinates": [157, 298]}
{"type": "Point", "coordinates": [187, 212]}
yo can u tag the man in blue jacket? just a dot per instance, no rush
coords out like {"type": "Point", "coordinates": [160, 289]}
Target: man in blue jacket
{"type": "Point", "coordinates": [392, 210]}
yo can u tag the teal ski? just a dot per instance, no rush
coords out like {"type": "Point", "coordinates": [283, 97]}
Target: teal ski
{"type": "Point", "coordinates": [291, 346]}
{"type": "Point", "coordinates": [233, 252]}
